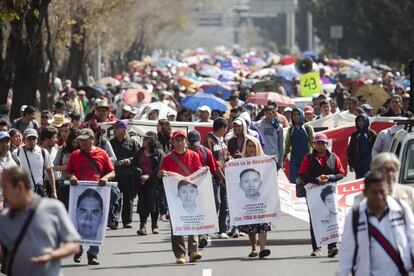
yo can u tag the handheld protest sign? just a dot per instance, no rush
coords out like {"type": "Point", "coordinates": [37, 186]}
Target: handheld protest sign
{"type": "Point", "coordinates": [323, 207]}
{"type": "Point", "coordinates": [310, 84]}
{"type": "Point", "coordinates": [252, 189]}
{"type": "Point", "coordinates": [191, 203]}
{"type": "Point", "coordinates": [89, 210]}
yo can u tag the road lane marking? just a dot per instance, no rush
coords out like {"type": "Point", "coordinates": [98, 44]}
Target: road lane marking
{"type": "Point", "coordinates": [207, 272]}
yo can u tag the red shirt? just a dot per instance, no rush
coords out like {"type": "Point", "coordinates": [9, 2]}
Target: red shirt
{"type": "Point", "coordinates": [210, 161]}
{"type": "Point", "coordinates": [305, 165]}
{"type": "Point", "coordinates": [83, 169]}
{"type": "Point", "coordinates": [190, 159]}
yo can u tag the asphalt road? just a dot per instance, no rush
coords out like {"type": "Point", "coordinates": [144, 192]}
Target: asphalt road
{"type": "Point", "coordinates": [125, 253]}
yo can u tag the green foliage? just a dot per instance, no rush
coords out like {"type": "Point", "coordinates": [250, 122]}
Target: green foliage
{"type": "Point", "coordinates": [373, 29]}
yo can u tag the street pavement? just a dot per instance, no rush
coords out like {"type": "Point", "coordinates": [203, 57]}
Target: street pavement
{"type": "Point", "coordinates": [125, 253]}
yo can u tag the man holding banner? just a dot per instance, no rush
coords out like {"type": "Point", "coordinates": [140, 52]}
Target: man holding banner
{"type": "Point", "coordinates": [184, 162]}
{"type": "Point", "coordinates": [321, 167]}
{"type": "Point", "coordinates": [92, 164]}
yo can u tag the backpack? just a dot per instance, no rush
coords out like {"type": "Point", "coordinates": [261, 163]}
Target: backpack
{"type": "Point", "coordinates": [205, 155]}
{"type": "Point", "coordinates": [308, 131]}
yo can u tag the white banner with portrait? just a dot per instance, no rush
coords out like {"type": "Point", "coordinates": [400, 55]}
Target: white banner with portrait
{"type": "Point", "coordinates": [252, 190]}
{"type": "Point", "coordinates": [191, 203]}
{"type": "Point", "coordinates": [89, 209]}
{"type": "Point", "coordinates": [323, 207]}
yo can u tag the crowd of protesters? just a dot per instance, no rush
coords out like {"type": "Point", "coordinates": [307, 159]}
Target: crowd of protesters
{"type": "Point", "coordinates": [70, 143]}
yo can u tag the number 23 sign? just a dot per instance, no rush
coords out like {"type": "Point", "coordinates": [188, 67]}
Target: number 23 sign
{"type": "Point", "coordinates": [310, 84]}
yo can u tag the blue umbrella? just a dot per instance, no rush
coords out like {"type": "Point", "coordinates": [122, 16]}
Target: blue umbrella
{"type": "Point", "coordinates": [215, 89]}
{"type": "Point", "coordinates": [197, 100]}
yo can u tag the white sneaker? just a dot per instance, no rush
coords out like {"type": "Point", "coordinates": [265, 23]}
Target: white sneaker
{"type": "Point", "coordinates": [223, 236]}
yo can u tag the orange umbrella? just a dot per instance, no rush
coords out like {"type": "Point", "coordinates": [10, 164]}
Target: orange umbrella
{"type": "Point", "coordinates": [130, 96]}
{"type": "Point", "coordinates": [264, 97]}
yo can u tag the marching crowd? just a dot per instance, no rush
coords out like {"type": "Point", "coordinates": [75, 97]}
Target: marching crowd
{"type": "Point", "coordinates": [70, 143]}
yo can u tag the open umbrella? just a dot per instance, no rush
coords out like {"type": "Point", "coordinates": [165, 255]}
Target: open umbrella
{"type": "Point", "coordinates": [107, 80]}
{"type": "Point", "coordinates": [130, 96]}
{"type": "Point", "coordinates": [374, 95]}
{"type": "Point", "coordinates": [193, 102]}
{"type": "Point", "coordinates": [264, 98]}
{"type": "Point", "coordinates": [215, 89]}
{"type": "Point", "coordinates": [91, 92]}
{"type": "Point", "coordinates": [128, 85]}
{"type": "Point", "coordinates": [265, 86]}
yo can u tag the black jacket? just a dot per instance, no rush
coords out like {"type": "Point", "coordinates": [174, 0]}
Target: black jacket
{"type": "Point", "coordinates": [150, 191]}
{"type": "Point", "coordinates": [316, 170]}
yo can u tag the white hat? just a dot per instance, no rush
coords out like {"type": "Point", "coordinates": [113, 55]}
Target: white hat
{"type": "Point", "coordinates": [205, 108]}
{"type": "Point", "coordinates": [287, 109]}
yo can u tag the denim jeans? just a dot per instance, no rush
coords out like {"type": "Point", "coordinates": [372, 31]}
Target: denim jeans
{"type": "Point", "coordinates": [114, 207]}
{"type": "Point", "coordinates": [92, 252]}
{"type": "Point", "coordinates": [220, 198]}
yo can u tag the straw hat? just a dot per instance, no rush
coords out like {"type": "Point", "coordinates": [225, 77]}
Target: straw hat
{"type": "Point", "coordinates": [58, 120]}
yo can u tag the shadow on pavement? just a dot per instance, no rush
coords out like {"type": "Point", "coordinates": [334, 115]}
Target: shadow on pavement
{"type": "Point", "coordinates": [143, 266]}
{"type": "Point", "coordinates": [244, 242]}
{"type": "Point", "coordinates": [141, 252]}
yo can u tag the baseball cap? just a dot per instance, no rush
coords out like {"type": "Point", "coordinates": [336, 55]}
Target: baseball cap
{"type": "Point", "coordinates": [30, 132]}
{"type": "Point", "coordinates": [320, 137]}
{"type": "Point", "coordinates": [205, 108]}
{"type": "Point", "coordinates": [22, 108]}
{"type": "Point", "coordinates": [81, 92]}
{"type": "Point", "coordinates": [194, 138]}
{"type": "Point", "coordinates": [4, 134]}
{"type": "Point", "coordinates": [366, 107]}
{"type": "Point", "coordinates": [287, 109]}
{"type": "Point", "coordinates": [405, 96]}
{"type": "Point", "coordinates": [85, 133]}
{"type": "Point", "coordinates": [308, 109]}
{"type": "Point", "coordinates": [121, 124]}
{"type": "Point", "coordinates": [178, 133]}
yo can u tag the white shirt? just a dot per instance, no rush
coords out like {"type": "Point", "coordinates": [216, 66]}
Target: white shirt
{"type": "Point", "coordinates": [381, 263]}
{"type": "Point", "coordinates": [5, 163]}
{"type": "Point", "coordinates": [53, 152]}
{"type": "Point", "coordinates": [37, 164]}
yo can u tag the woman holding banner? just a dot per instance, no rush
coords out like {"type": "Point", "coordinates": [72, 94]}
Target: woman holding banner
{"type": "Point", "coordinates": [252, 148]}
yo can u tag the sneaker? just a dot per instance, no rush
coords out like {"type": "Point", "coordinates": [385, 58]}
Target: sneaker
{"type": "Point", "coordinates": [77, 257]}
{"type": "Point", "coordinates": [242, 234]}
{"type": "Point", "coordinates": [236, 234]}
{"type": "Point", "coordinates": [142, 231]}
{"type": "Point", "coordinates": [127, 226]}
{"type": "Point", "coordinates": [194, 257]}
{"type": "Point", "coordinates": [202, 242]}
{"type": "Point", "coordinates": [180, 260]}
{"type": "Point", "coordinates": [92, 260]}
{"type": "Point", "coordinates": [316, 253]}
{"type": "Point", "coordinates": [264, 253]}
{"type": "Point", "coordinates": [223, 236]}
{"type": "Point", "coordinates": [155, 230]}
{"type": "Point", "coordinates": [163, 218]}
{"type": "Point", "coordinates": [253, 254]}
{"type": "Point", "coordinates": [332, 252]}
{"type": "Point", "coordinates": [113, 226]}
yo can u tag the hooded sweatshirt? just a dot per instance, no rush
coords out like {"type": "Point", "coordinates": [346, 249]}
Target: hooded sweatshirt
{"type": "Point", "coordinates": [360, 146]}
{"type": "Point", "coordinates": [235, 145]}
{"type": "Point", "coordinates": [299, 142]}
{"type": "Point", "coordinates": [273, 138]}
